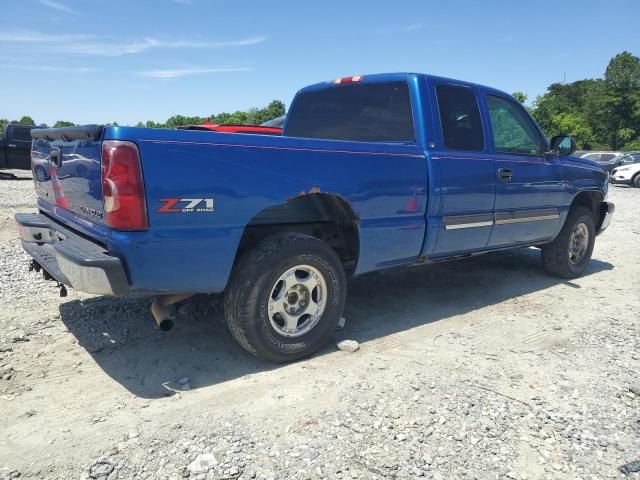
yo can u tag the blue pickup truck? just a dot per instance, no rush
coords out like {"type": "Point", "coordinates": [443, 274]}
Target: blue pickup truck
{"type": "Point", "coordinates": [371, 172]}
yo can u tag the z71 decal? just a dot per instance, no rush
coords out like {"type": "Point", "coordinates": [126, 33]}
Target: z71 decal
{"type": "Point", "coordinates": [186, 205]}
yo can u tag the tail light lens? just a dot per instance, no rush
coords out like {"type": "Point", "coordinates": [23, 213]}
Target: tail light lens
{"type": "Point", "coordinates": [123, 187]}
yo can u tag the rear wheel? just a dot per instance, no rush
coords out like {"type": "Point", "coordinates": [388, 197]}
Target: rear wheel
{"type": "Point", "coordinates": [285, 297]}
{"type": "Point", "coordinates": [569, 254]}
{"type": "Point", "coordinates": [636, 180]}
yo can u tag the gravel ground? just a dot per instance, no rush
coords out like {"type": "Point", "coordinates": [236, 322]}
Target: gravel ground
{"type": "Point", "coordinates": [484, 368]}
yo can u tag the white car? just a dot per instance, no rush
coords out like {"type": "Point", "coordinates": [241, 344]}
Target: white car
{"type": "Point", "coordinates": [601, 157]}
{"type": "Point", "coordinates": [626, 175]}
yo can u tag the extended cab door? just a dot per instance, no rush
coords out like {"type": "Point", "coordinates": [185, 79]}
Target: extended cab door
{"type": "Point", "coordinates": [466, 170]}
{"type": "Point", "coordinates": [530, 187]}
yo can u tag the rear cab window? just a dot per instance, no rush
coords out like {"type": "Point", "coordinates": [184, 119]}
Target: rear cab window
{"type": "Point", "coordinates": [362, 112]}
{"type": "Point", "coordinates": [460, 120]}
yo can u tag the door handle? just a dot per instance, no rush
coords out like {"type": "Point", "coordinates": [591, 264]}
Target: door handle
{"type": "Point", "coordinates": [505, 174]}
{"type": "Point", "coordinates": [12, 145]}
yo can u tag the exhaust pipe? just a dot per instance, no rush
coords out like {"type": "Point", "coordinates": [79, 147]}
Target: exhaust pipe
{"type": "Point", "coordinates": [162, 311]}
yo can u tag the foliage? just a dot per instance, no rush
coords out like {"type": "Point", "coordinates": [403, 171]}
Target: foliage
{"type": "Point", "coordinates": [520, 96]}
{"type": "Point", "coordinates": [63, 123]}
{"type": "Point", "coordinates": [253, 116]}
{"type": "Point", "coordinates": [26, 120]}
{"type": "Point", "coordinates": [600, 113]}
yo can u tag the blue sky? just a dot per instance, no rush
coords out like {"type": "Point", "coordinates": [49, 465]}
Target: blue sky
{"type": "Point", "coordinates": [98, 61]}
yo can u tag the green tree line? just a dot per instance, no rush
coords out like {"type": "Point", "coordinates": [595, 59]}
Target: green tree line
{"type": "Point", "coordinates": [601, 113]}
{"type": "Point", "coordinates": [253, 116]}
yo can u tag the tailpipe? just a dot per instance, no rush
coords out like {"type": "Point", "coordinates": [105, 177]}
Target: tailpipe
{"type": "Point", "coordinates": [162, 311]}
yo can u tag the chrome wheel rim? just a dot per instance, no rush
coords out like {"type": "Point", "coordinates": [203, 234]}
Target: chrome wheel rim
{"type": "Point", "coordinates": [578, 243]}
{"type": "Point", "coordinates": [297, 301]}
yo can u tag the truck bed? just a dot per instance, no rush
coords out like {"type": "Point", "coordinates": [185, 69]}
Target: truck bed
{"type": "Point", "coordinates": [239, 176]}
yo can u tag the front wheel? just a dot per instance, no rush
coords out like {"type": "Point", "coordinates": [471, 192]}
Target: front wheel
{"type": "Point", "coordinates": [285, 297]}
{"type": "Point", "coordinates": [636, 181]}
{"type": "Point", "coordinates": [569, 254]}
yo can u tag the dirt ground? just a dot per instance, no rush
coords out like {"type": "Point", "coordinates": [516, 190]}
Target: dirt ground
{"type": "Point", "coordinates": [483, 368]}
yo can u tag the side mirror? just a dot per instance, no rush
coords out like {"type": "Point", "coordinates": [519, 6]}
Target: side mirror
{"type": "Point", "coordinates": [563, 145]}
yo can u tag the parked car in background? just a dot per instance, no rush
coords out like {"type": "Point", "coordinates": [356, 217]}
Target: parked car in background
{"type": "Point", "coordinates": [254, 129]}
{"type": "Point", "coordinates": [15, 147]}
{"type": "Point", "coordinates": [627, 158]}
{"type": "Point", "coordinates": [627, 174]}
{"type": "Point", "coordinates": [275, 123]}
{"type": "Point", "coordinates": [372, 172]}
{"type": "Point", "coordinates": [600, 157]}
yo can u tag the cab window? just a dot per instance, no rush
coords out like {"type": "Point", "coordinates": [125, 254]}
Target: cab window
{"type": "Point", "coordinates": [21, 134]}
{"type": "Point", "coordinates": [460, 118]}
{"type": "Point", "coordinates": [513, 131]}
{"type": "Point", "coordinates": [360, 112]}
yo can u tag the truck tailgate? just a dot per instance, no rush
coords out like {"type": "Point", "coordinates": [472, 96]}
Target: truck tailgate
{"type": "Point", "coordinates": [66, 169]}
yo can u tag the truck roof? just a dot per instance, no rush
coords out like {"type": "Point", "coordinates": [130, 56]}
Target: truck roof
{"type": "Point", "coordinates": [397, 77]}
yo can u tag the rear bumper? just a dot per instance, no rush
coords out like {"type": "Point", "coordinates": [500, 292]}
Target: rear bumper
{"type": "Point", "coordinates": [606, 213]}
{"type": "Point", "coordinates": [70, 258]}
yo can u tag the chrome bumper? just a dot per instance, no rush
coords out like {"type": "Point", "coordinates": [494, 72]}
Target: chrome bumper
{"type": "Point", "coordinates": [71, 259]}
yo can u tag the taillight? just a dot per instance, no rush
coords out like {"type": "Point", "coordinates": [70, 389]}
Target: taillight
{"type": "Point", "coordinates": [346, 80]}
{"type": "Point", "coordinates": [122, 186]}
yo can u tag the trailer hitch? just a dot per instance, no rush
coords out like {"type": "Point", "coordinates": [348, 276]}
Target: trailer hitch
{"type": "Point", "coordinates": [35, 266]}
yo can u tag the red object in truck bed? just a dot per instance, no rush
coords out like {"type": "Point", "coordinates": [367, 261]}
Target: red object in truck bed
{"type": "Point", "coordinates": [255, 129]}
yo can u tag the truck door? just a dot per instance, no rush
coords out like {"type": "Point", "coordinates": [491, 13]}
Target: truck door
{"type": "Point", "coordinates": [466, 171]}
{"type": "Point", "coordinates": [18, 144]}
{"type": "Point", "coordinates": [530, 187]}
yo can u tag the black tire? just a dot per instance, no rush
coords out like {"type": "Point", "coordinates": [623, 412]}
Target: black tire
{"type": "Point", "coordinates": [636, 180]}
{"type": "Point", "coordinates": [250, 288]}
{"type": "Point", "coordinates": [556, 256]}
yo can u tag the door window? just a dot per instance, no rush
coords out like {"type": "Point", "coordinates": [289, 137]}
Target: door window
{"type": "Point", "coordinates": [513, 130]}
{"type": "Point", "coordinates": [460, 118]}
{"type": "Point", "coordinates": [21, 134]}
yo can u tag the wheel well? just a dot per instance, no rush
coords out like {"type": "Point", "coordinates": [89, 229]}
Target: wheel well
{"type": "Point", "coordinates": [591, 200]}
{"type": "Point", "coordinates": [327, 217]}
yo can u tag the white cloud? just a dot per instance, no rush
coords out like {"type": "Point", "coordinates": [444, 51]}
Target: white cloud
{"type": "Point", "coordinates": [108, 47]}
{"type": "Point", "coordinates": [58, 6]}
{"type": "Point", "coordinates": [412, 27]}
{"type": "Point", "coordinates": [26, 36]}
{"type": "Point", "coordinates": [186, 72]}
{"type": "Point", "coordinates": [49, 68]}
